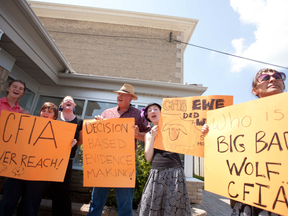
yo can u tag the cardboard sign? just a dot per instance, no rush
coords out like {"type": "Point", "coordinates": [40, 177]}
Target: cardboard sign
{"type": "Point", "coordinates": [109, 153]}
{"type": "Point", "coordinates": [34, 148]}
{"type": "Point", "coordinates": [246, 153]}
{"type": "Point", "coordinates": [181, 122]}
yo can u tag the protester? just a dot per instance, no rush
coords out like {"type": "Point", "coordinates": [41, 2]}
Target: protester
{"type": "Point", "coordinates": [123, 109]}
{"type": "Point", "coordinates": [15, 90]}
{"type": "Point", "coordinates": [266, 82]}
{"type": "Point", "coordinates": [165, 192]}
{"type": "Point", "coordinates": [30, 192]}
{"type": "Point", "coordinates": [61, 199]}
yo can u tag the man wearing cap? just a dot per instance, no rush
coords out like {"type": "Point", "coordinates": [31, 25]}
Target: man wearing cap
{"type": "Point", "coordinates": [123, 109]}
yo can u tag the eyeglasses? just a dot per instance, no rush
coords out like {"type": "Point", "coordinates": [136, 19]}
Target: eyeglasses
{"type": "Point", "coordinates": [266, 77]}
{"type": "Point", "coordinates": [68, 99]}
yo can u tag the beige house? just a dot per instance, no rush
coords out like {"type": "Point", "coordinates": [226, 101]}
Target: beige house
{"type": "Point", "coordinates": [88, 53]}
{"type": "Point", "coordinates": [114, 43]}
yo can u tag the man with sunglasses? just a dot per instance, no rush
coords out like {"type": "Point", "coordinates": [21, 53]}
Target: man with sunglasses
{"type": "Point", "coordinates": [268, 82]}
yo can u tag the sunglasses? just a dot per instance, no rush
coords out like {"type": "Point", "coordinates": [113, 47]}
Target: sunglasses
{"type": "Point", "coordinates": [266, 77]}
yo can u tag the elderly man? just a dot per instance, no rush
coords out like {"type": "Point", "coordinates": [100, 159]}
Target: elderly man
{"type": "Point", "coordinates": [124, 109]}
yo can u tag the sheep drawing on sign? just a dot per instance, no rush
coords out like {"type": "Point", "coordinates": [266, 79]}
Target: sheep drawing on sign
{"type": "Point", "coordinates": [174, 129]}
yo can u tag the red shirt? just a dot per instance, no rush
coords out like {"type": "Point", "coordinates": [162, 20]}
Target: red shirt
{"type": "Point", "coordinates": [4, 105]}
{"type": "Point", "coordinates": [132, 112]}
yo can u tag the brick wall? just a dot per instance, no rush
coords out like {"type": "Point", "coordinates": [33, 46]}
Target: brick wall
{"type": "Point", "coordinates": [118, 50]}
{"type": "Point", "coordinates": [195, 190]}
{"type": "Point", "coordinates": [3, 77]}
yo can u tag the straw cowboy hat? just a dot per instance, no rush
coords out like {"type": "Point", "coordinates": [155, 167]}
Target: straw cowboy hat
{"type": "Point", "coordinates": [127, 89]}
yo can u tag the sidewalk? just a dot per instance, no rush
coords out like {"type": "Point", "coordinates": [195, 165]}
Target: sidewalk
{"type": "Point", "coordinates": [82, 209]}
{"type": "Point", "coordinates": [212, 205]}
{"type": "Point", "coordinates": [215, 205]}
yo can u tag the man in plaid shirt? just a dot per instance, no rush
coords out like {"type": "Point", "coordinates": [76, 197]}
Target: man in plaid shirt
{"type": "Point", "coordinates": [123, 110]}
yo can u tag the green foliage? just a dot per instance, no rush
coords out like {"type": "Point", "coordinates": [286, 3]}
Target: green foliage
{"type": "Point", "coordinates": [198, 177]}
{"type": "Point", "coordinates": [111, 199]}
{"type": "Point", "coordinates": [143, 169]}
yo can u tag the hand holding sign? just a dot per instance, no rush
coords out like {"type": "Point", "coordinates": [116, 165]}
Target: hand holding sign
{"type": "Point", "coordinates": [109, 153]}
{"type": "Point", "coordinates": [246, 153]}
{"type": "Point", "coordinates": [34, 148]}
{"type": "Point", "coordinates": [181, 122]}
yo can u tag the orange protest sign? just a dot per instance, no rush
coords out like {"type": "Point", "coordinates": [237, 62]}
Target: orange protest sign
{"type": "Point", "coordinates": [181, 122]}
{"type": "Point", "coordinates": [34, 148]}
{"type": "Point", "coordinates": [246, 153]}
{"type": "Point", "coordinates": [109, 153]}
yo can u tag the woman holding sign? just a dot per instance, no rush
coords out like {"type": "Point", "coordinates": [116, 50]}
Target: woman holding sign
{"type": "Point", "coordinates": [30, 192]}
{"type": "Point", "coordinates": [165, 192]}
{"type": "Point", "coordinates": [266, 82]}
{"type": "Point", "coordinates": [61, 200]}
{"type": "Point", "coordinates": [15, 90]}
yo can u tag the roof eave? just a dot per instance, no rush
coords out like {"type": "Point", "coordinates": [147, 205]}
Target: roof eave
{"type": "Point", "coordinates": [43, 33]}
{"type": "Point", "coordinates": [143, 86]}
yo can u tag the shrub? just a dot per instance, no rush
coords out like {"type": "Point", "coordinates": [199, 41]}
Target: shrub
{"type": "Point", "coordinates": [198, 177]}
{"type": "Point", "coordinates": [143, 169]}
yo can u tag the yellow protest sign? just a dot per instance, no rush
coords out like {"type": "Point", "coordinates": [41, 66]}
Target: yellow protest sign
{"type": "Point", "coordinates": [34, 148]}
{"type": "Point", "coordinates": [181, 122]}
{"type": "Point", "coordinates": [109, 153]}
{"type": "Point", "coordinates": [246, 153]}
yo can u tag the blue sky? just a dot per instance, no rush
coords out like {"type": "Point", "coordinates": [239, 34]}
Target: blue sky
{"type": "Point", "coordinates": [255, 29]}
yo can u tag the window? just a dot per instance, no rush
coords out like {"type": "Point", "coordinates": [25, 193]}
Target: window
{"type": "Point", "coordinates": [95, 108]}
{"type": "Point", "coordinates": [140, 107]}
{"type": "Point", "coordinates": [25, 101]}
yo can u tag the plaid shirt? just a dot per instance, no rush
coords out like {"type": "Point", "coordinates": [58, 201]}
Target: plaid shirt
{"type": "Point", "coordinates": [130, 113]}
